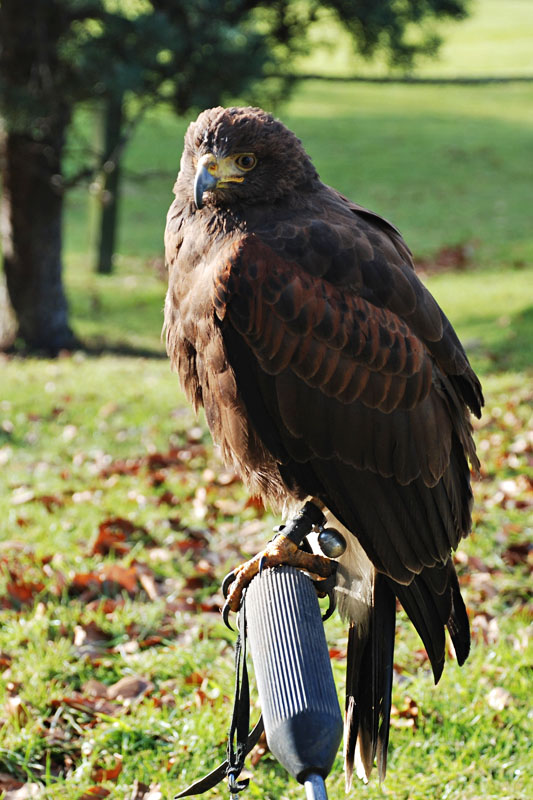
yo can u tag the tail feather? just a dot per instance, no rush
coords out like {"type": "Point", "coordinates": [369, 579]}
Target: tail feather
{"type": "Point", "coordinates": [369, 686]}
{"type": "Point", "coordinates": [430, 611]}
{"type": "Point", "coordinates": [457, 623]}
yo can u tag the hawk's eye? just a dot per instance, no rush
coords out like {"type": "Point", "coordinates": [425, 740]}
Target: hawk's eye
{"type": "Point", "coordinates": [246, 161]}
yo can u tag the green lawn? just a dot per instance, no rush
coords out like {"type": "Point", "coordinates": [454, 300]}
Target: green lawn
{"type": "Point", "coordinates": [494, 40]}
{"type": "Point", "coordinates": [117, 521]}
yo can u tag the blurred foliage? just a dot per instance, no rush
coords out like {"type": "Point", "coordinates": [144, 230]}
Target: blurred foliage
{"type": "Point", "coordinates": [191, 54]}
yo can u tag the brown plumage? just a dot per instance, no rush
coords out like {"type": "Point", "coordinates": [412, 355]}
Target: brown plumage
{"type": "Point", "coordinates": [326, 369]}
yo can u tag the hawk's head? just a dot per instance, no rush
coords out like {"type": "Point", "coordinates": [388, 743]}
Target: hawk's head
{"type": "Point", "coordinates": [241, 155]}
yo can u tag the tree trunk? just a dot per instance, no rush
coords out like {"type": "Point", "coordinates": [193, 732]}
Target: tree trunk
{"type": "Point", "coordinates": [109, 195]}
{"type": "Point", "coordinates": [31, 218]}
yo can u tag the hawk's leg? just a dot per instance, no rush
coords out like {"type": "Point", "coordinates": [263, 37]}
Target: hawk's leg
{"type": "Point", "coordinates": [283, 550]}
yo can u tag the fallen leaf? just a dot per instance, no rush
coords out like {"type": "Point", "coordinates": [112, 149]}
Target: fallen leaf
{"type": "Point", "coordinates": [110, 539]}
{"type": "Point", "coordinates": [519, 553]}
{"type": "Point", "coordinates": [26, 791]}
{"type": "Point", "coordinates": [107, 605]}
{"type": "Point", "coordinates": [256, 502]}
{"type": "Point", "coordinates": [499, 698]}
{"type": "Point", "coordinates": [157, 479]}
{"type": "Point", "coordinates": [148, 583]}
{"type": "Point", "coordinates": [111, 579]}
{"type": "Point", "coordinates": [94, 688]}
{"type": "Point", "coordinates": [195, 679]}
{"type": "Point", "coordinates": [130, 688]}
{"type": "Point", "coordinates": [168, 498]}
{"type": "Point", "coordinates": [138, 791]}
{"type": "Point", "coordinates": [405, 717]}
{"type": "Point", "coordinates": [228, 507]}
{"type": "Point", "coordinates": [100, 774]}
{"type": "Point", "coordinates": [22, 495]}
{"type": "Point", "coordinates": [486, 627]}
{"type": "Point", "coordinates": [91, 636]}
{"type": "Point", "coordinates": [23, 592]}
{"type": "Point", "coordinates": [89, 705]}
{"type": "Point", "coordinates": [5, 661]}
{"type": "Point", "coordinates": [154, 793]}
{"type": "Point", "coordinates": [16, 709]}
{"type": "Point", "coordinates": [94, 791]}
{"type": "Point", "coordinates": [260, 749]}
{"type": "Point", "coordinates": [50, 501]}
{"type": "Point", "coordinates": [9, 782]}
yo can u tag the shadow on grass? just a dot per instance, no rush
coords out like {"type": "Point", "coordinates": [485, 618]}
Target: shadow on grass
{"type": "Point", "coordinates": [91, 347]}
{"type": "Point", "coordinates": [510, 348]}
{"type": "Point", "coordinates": [121, 349]}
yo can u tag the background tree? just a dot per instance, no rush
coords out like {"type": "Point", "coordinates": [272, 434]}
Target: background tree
{"type": "Point", "coordinates": [195, 53]}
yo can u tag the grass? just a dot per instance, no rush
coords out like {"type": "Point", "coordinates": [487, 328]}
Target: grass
{"type": "Point", "coordinates": [117, 521]}
{"type": "Point", "coordinates": [80, 456]}
{"type": "Point", "coordinates": [494, 40]}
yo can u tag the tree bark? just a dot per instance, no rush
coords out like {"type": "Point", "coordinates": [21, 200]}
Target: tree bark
{"type": "Point", "coordinates": [31, 221]}
{"type": "Point", "coordinates": [110, 192]}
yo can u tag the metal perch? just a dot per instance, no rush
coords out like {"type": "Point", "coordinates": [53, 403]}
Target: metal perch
{"type": "Point", "coordinates": [301, 713]}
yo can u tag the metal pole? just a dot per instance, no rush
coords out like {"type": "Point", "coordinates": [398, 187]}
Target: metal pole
{"type": "Point", "coordinates": [315, 788]}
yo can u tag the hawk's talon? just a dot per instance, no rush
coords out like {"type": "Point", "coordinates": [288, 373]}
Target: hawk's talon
{"type": "Point", "coordinates": [326, 588]}
{"type": "Point", "coordinates": [331, 607]}
{"type": "Point", "coordinates": [226, 610]}
{"type": "Point", "coordinates": [226, 583]}
{"type": "Point", "coordinates": [280, 551]}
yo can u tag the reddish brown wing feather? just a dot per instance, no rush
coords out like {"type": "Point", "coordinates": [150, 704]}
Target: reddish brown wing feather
{"type": "Point", "coordinates": [337, 354]}
{"type": "Point", "coordinates": [335, 341]}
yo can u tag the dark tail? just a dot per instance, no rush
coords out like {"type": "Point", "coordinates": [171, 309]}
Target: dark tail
{"type": "Point", "coordinates": [432, 601]}
{"type": "Point", "coordinates": [369, 686]}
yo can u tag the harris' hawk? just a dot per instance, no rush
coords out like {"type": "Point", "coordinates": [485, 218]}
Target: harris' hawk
{"type": "Point", "coordinates": [327, 371]}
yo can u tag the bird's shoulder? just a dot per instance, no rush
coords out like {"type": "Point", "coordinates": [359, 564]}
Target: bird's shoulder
{"type": "Point", "coordinates": [325, 262]}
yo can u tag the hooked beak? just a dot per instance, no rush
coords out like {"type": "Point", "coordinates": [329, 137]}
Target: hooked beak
{"type": "Point", "coordinates": [213, 173]}
{"type": "Point", "coordinates": [206, 178]}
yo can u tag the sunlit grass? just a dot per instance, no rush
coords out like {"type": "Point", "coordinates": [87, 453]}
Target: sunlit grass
{"type": "Point", "coordinates": [449, 166]}
{"type": "Point", "coordinates": [494, 40]}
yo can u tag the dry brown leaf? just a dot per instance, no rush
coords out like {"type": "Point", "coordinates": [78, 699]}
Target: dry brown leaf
{"type": "Point", "coordinates": [256, 502]}
{"type": "Point", "coordinates": [228, 507]}
{"type": "Point", "coordinates": [111, 579]}
{"type": "Point", "coordinates": [100, 774]}
{"type": "Point", "coordinates": [336, 653]}
{"type": "Point", "coordinates": [260, 749]}
{"type": "Point", "coordinates": [94, 688]}
{"type": "Point", "coordinates": [22, 592]}
{"type": "Point", "coordinates": [94, 791]}
{"type": "Point", "coordinates": [138, 791]}
{"type": "Point", "coordinates": [195, 679]}
{"type": "Point", "coordinates": [519, 553]}
{"type": "Point", "coordinates": [112, 536]}
{"type": "Point", "coordinates": [16, 709]}
{"type": "Point", "coordinates": [89, 705]}
{"type": "Point", "coordinates": [9, 782]}
{"type": "Point", "coordinates": [486, 627]}
{"type": "Point", "coordinates": [168, 498]}
{"type": "Point", "coordinates": [499, 698]}
{"type": "Point", "coordinates": [154, 793]}
{"type": "Point", "coordinates": [50, 501]}
{"type": "Point", "coordinates": [148, 583]}
{"type": "Point", "coordinates": [90, 635]}
{"type": "Point", "coordinates": [5, 660]}
{"type": "Point", "coordinates": [405, 717]}
{"type": "Point", "coordinates": [26, 791]}
{"type": "Point", "coordinates": [130, 687]}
